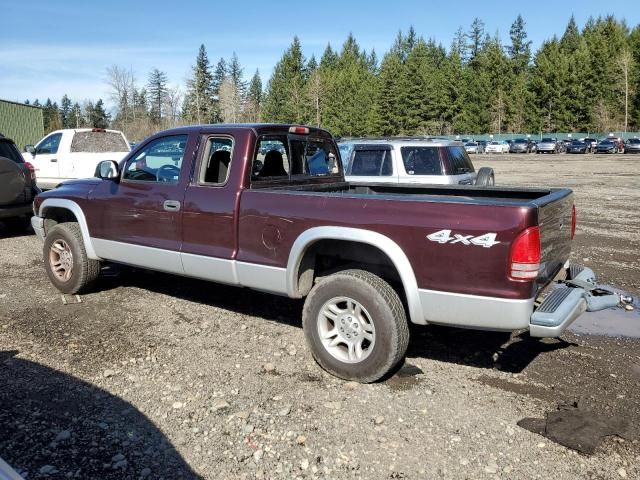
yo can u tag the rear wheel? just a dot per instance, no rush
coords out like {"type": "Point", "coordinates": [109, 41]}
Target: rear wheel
{"type": "Point", "coordinates": [355, 326]}
{"type": "Point", "coordinates": [485, 177]}
{"type": "Point", "coordinates": [66, 261]}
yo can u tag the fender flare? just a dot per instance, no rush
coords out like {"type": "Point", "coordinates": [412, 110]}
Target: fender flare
{"type": "Point", "coordinates": [382, 242]}
{"type": "Point", "coordinates": [74, 208]}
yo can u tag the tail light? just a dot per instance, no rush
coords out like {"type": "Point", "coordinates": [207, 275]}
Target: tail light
{"type": "Point", "coordinates": [524, 259]}
{"type": "Point", "coordinates": [574, 221]}
{"type": "Point", "coordinates": [300, 130]}
{"type": "Point", "coordinates": [32, 170]}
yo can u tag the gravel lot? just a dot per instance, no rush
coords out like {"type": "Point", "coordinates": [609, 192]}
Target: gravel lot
{"type": "Point", "coordinates": [155, 376]}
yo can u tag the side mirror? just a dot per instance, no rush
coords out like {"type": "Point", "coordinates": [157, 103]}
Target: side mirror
{"type": "Point", "coordinates": [30, 149]}
{"type": "Point", "coordinates": [107, 170]}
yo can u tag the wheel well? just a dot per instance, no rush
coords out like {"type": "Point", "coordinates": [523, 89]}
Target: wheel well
{"type": "Point", "coordinates": [55, 215]}
{"type": "Point", "coordinates": [328, 256]}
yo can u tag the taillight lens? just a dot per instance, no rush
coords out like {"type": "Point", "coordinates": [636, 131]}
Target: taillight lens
{"type": "Point", "coordinates": [524, 260]}
{"type": "Point", "coordinates": [32, 170]}
{"type": "Point", "coordinates": [298, 129]}
{"type": "Point", "coordinates": [574, 221]}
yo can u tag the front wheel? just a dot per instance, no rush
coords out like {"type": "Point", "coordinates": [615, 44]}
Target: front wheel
{"type": "Point", "coordinates": [355, 326]}
{"type": "Point", "coordinates": [65, 259]}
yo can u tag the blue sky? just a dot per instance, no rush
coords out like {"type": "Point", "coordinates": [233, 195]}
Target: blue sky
{"type": "Point", "coordinates": [48, 48]}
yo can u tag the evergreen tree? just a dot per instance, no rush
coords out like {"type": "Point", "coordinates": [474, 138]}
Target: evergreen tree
{"type": "Point", "coordinates": [157, 85]}
{"type": "Point", "coordinates": [475, 40]}
{"type": "Point", "coordinates": [520, 49]}
{"type": "Point", "coordinates": [74, 120]}
{"type": "Point", "coordinates": [199, 101]}
{"type": "Point", "coordinates": [65, 111]}
{"type": "Point", "coordinates": [254, 98]}
{"type": "Point", "coordinates": [285, 96]}
{"type": "Point", "coordinates": [98, 117]}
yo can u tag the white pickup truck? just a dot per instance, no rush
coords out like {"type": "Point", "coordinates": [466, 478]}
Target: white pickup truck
{"type": "Point", "coordinates": [74, 153]}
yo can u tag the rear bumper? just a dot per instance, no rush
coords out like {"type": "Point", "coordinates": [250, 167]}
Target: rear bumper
{"type": "Point", "coordinates": [561, 307]}
{"type": "Point", "coordinates": [10, 211]}
{"type": "Point", "coordinates": [570, 299]}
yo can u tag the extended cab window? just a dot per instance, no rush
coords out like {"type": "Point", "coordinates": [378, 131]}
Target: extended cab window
{"type": "Point", "coordinates": [281, 156]}
{"type": "Point", "coordinates": [216, 160]}
{"type": "Point", "coordinates": [421, 160]}
{"type": "Point", "coordinates": [271, 159]}
{"type": "Point", "coordinates": [371, 163]}
{"type": "Point", "coordinates": [98, 141]}
{"type": "Point", "coordinates": [49, 145]}
{"type": "Point", "coordinates": [159, 161]}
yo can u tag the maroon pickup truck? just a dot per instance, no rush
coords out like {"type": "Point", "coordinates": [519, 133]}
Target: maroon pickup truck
{"type": "Point", "coordinates": [267, 207]}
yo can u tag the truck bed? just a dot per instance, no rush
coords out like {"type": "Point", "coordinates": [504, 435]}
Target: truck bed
{"type": "Point", "coordinates": [534, 197]}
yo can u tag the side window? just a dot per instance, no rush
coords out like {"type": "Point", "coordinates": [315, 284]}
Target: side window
{"type": "Point", "coordinates": [371, 163]}
{"type": "Point", "coordinates": [49, 145]}
{"type": "Point", "coordinates": [272, 159]}
{"type": "Point", "coordinates": [217, 157]}
{"type": "Point", "coordinates": [159, 161]}
{"type": "Point", "coordinates": [421, 160]}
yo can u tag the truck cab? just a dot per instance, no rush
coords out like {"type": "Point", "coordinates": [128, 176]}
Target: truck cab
{"type": "Point", "coordinates": [74, 153]}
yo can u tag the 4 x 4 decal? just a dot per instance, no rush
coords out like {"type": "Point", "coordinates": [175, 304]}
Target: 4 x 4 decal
{"type": "Point", "coordinates": [486, 240]}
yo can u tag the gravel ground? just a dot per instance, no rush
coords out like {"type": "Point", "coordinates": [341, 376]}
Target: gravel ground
{"type": "Point", "coordinates": [156, 376]}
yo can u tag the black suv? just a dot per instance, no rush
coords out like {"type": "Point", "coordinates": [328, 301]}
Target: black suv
{"type": "Point", "coordinates": [17, 186]}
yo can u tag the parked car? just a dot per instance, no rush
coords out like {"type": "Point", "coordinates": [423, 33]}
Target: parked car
{"type": "Point", "coordinates": [592, 142]}
{"type": "Point", "coordinates": [483, 144]}
{"type": "Point", "coordinates": [473, 147]}
{"type": "Point", "coordinates": [608, 145]}
{"type": "Point", "coordinates": [548, 145]}
{"type": "Point", "coordinates": [579, 146]}
{"type": "Point", "coordinates": [632, 145]}
{"type": "Point", "coordinates": [17, 186]}
{"type": "Point", "coordinates": [367, 259]}
{"type": "Point", "coordinates": [497, 146]}
{"type": "Point", "coordinates": [520, 145]}
{"type": "Point", "coordinates": [534, 146]}
{"type": "Point", "coordinates": [74, 153]}
{"type": "Point", "coordinates": [413, 160]}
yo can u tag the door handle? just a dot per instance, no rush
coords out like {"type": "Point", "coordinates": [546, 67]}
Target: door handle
{"type": "Point", "coordinates": [171, 205]}
{"type": "Point", "coordinates": [53, 160]}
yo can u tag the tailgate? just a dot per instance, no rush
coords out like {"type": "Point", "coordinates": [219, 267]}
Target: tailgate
{"type": "Point", "coordinates": [554, 220]}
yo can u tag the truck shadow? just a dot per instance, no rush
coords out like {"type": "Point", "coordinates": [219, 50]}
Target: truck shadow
{"type": "Point", "coordinates": [69, 428]}
{"type": "Point", "coordinates": [495, 350]}
{"type": "Point", "coordinates": [502, 351]}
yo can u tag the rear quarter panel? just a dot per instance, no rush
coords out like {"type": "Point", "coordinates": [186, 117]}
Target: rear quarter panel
{"type": "Point", "coordinates": [271, 221]}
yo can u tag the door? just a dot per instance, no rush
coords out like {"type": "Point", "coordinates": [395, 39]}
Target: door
{"type": "Point", "coordinates": [45, 161]}
{"type": "Point", "coordinates": [209, 214]}
{"type": "Point", "coordinates": [140, 217]}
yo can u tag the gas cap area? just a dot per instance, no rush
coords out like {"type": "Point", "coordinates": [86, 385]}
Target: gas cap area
{"type": "Point", "coordinates": [271, 237]}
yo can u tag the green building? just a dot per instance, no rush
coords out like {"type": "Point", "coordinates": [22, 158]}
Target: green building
{"type": "Point", "coordinates": [24, 124]}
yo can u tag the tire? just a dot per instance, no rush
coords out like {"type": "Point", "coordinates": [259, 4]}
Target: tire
{"type": "Point", "coordinates": [12, 180]}
{"type": "Point", "coordinates": [64, 246]}
{"type": "Point", "coordinates": [382, 317]}
{"type": "Point", "coordinates": [485, 177]}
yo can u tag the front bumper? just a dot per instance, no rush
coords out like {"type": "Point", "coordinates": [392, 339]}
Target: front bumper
{"type": "Point", "coordinates": [577, 294]}
{"type": "Point", "coordinates": [37, 223]}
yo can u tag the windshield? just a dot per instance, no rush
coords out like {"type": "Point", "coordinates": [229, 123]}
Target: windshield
{"type": "Point", "coordinates": [98, 142]}
{"type": "Point", "coordinates": [634, 140]}
{"type": "Point", "coordinates": [470, 144]}
{"type": "Point", "coordinates": [520, 140]}
{"type": "Point", "coordinates": [548, 140]}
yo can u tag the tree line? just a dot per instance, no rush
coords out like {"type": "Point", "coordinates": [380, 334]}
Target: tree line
{"type": "Point", "coordinates": [585, 80]}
